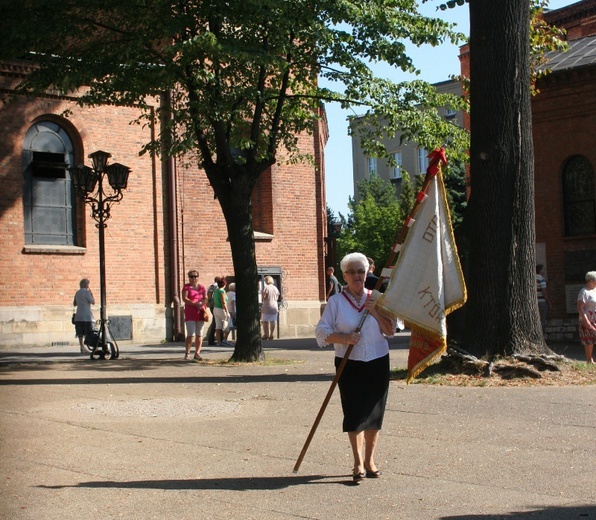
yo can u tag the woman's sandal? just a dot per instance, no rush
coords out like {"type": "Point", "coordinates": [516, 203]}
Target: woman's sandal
{"type": "Point", "coordinates": [357, 477]}
{"type": "Point", "coordinates": [373, 474]}
{"type": "Point", "coordinates": [198, 358]}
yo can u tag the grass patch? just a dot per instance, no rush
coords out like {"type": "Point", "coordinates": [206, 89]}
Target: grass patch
{"type": "Point", "coordinates": [571, 373]}
{"type": "Point", "coordinates": [267, 362]}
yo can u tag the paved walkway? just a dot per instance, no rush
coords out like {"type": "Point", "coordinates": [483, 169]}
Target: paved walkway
{"type": "Point", "coordinates": [151, 436]}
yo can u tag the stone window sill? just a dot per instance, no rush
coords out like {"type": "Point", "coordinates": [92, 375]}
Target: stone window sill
{"type": "Point", "coordinates": [53, 250]}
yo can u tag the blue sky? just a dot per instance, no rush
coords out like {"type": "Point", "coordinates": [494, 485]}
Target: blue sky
{"type": "Point", "coordinates": [436, 64]}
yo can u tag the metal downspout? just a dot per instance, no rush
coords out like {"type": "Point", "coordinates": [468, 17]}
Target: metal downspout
{"type": "Point", "coordinates": [170, 166]}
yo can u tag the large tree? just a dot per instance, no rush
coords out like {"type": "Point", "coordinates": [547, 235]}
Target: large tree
{"type": "Point", "coordinates": [501, 313]}
{"type": "Point", "coordinates": [243, 79]}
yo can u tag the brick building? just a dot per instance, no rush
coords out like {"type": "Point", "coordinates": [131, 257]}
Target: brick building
{"type": "Point", "coordinates": [564, 129]}
{"type": "Point", "coordinates": [167, 223]}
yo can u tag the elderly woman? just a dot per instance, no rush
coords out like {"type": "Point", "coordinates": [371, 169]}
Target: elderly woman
{"type": "Point", "coordinates": [269, 311]}
{"type": "Point", "coordinates": [586, 306]}
{"type": "Point", "coordinates": [83, 319]}
{"type": "Point", "coordinates": [364, 382]}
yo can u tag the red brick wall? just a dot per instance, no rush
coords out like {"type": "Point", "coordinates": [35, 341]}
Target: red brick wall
{"type": "Point", "coordinates": [288, 195]}
{"type": "Point", "coordinates": [134, 233]}
{"type": "Point", "coordinates": [563, 123]}
{"type": "Point", "coordinates": [289, 204]}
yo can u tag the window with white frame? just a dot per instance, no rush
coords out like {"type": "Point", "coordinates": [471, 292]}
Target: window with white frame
{"type": "Point", "coordinates": [422, 160]}
{"type": "Point", "coordinates": [450, 113]}
{"type": "Point", "coordinates": [372, 166]}
{"type": "Point", "coordinates": [397, 167]}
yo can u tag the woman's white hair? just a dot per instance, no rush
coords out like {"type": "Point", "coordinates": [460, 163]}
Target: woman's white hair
{"type": "Point", "coordinates": [590, 276]}
{"type": "Point", "coordinates": [353, 258]}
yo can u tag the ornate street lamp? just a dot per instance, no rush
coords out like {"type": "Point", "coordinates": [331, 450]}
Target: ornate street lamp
{"type": "Point", "coordinates": [89, 185]}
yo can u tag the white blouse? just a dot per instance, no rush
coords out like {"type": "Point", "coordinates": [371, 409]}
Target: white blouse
{"type": "Point", "coordinates": [343, 317]}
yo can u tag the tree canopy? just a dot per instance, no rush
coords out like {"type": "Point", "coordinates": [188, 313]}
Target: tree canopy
{"type": "Point", "coordinates": [243, 76]}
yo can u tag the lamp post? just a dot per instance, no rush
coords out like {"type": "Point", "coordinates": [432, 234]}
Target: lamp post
{"type": "Point", "coordinates": [89, 185]}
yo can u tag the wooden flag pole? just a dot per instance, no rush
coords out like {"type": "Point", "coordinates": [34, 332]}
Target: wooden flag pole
{"type": "Point", "coordinates": [338, 373]}
{"type": "Point", "coordinates": [436, 158]}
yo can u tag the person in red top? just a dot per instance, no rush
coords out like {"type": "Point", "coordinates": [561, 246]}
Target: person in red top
{"type": "Point", "coordinates": [194, 296]}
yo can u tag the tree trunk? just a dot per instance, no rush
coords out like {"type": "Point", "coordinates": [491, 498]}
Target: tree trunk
{"type": "Point", "coordinates": [235, 198]}
{"type": "Point", "coordinates": [502, 311]}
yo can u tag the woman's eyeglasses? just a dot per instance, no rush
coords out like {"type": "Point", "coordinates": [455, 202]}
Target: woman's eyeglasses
{"type": "Point", "coordinates": [193, 276]}
{"type": "Point", "coordinates": [352, 272]}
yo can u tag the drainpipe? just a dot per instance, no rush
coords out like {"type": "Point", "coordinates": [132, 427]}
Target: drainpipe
{"type": "Point", "coordinates": [170, 167]}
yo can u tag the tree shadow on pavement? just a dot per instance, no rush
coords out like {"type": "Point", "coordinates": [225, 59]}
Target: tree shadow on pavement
{"type": "Point", "coordinates": [228, 484]}
{"type": "Point", "coordinates": [587, 512]}
{"type": "Point", "coordinates": [215, 379]}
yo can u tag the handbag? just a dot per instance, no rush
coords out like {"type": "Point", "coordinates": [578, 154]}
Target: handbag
{"type": "Point", "coordinates": [204, 314]}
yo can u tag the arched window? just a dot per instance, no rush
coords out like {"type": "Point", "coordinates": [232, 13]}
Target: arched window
{"type": "Point", "coordinates": [48, 197]}
{"type": "Point", "coordinates": [579, 197]}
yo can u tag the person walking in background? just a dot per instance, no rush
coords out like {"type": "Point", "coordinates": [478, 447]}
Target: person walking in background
{"type": "Point", "coordinates": [371, 277]}
{"type": "Point", "coordinates": [364, 382]}
{"type": "Point", "coordinates": [231, 294]}
{"type": "Point", "coordinates": [543, 299]}
{"type": "Point", "coordinates": [270, 310]}
{"type": "Point", "coordinates": [194, 296]}
{"type": "Point", "coordinates": [84, 321]}
{"type": "Point", "coordinates": [221, 315]}
{"type": "Point", "coordinates": [211, 331]}
{"type": "Point", "coordinates": [333, 286]}
{"type": "Point", "coordinates": [586, 306]}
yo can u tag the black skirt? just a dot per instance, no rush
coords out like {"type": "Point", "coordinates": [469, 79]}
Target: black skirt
{"type": "Point", "coordinates": [363, 388]}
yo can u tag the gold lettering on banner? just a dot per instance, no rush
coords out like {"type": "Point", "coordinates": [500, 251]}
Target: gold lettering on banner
{"type": "Point", "coordinates": [422, 345]}
{"type": "Point", "coordinates": [431, 230]}
{"type": "Point", "coordinates": [431, 305]}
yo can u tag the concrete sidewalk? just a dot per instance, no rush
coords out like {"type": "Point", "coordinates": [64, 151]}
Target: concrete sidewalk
{"type": "Point", "coordinates": [150, 435]}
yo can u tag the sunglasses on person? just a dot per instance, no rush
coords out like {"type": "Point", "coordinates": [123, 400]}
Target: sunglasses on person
{"type": "Point", "coordinates": [193, 276]}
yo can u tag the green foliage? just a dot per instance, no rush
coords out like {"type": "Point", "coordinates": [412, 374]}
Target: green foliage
{"type": "Point", "coordinates": [374, 221]}
{"type": "Point", "coordinates": [544, 38]}
{"type": "Point", "coordinates": [415, 117]}
{"type": "Point", "coordinates": [407, 195]}
{"type": "Point", "coordinates": [455, 186]}
{"type": "Point", "coordinates": [243, 74]}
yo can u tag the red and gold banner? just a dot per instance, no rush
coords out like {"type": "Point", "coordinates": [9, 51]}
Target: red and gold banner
{"type": "Point", "coordinates": [427, 281]}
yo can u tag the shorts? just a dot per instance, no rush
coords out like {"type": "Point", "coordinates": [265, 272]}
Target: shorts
{"type": "Point", "coordinates": [220, 319]}
{"type": "Point", "coordinates": [194, 328]}
{"type": "Point", "coordinates": [82, 328]}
